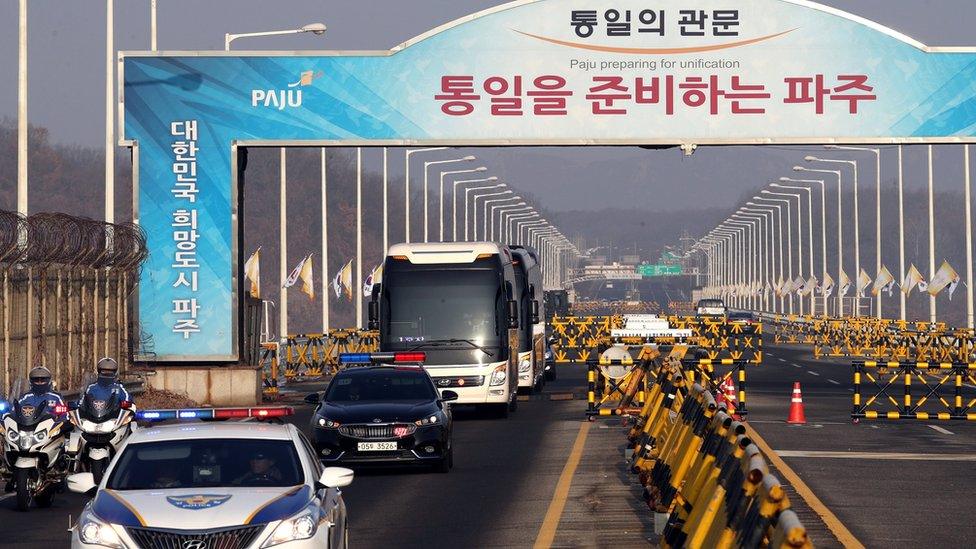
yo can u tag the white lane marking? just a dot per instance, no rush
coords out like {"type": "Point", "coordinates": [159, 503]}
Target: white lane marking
{"type": "Point", "coordinates": [795, 365]}
{"type": "Point", "coordinates": [891, 456]}
{"type": "Point", "coordinates": [811, 372]}
{"type": "Point", "coordinates": [834, 382]}
{"type": "Point", "coordinates": [780, 359]}
{"type": "Point", "coordinates": [942, 430]}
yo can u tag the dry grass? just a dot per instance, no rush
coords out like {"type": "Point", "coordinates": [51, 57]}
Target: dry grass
{"type": "Point", "coordinates": [161, 399]}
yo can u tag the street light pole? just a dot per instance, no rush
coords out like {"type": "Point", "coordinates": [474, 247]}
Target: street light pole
{"type": "Point", "coordinates": [484, 212]}
{"type": "Point", "coordinates": [789, 239]}
{"type": "Point", "coordinates": [475, 207]}
{"type": "Point", "coordinates": [22, 110]}
{"type": "Point", "coordinates": [877, 209]}
{"type": "Point", "coordinates": [901, 232]}
{"type": "Point", "coordinates": [857, 232]}
{"type": "Point", "coordinates": [513, 221]}
{"type": "Point", "coordinates": [932, 315]}
{"type": "Point", "coordinates": [809, 231]}
{"type": "Point", "coordinates": [441, 195]}
{"type": "Point", "coordinates": [840, 232]}
{"type": "Point", "coordinates": [454, 202]}
{"type": "Point", "coordinates": [490, 217]}
{"type": "Point", "coordinates": [314, 28]}
{"type": "Point", "coordinates": [427, 166]}
{"type": "Point", "coordinates": [799, 236]}
{"type": "Point", "coordinates": [406, 187]}
{"type": "Point", "coordinates": [506, 212]}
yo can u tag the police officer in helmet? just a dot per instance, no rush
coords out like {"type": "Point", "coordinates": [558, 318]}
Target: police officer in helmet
{"type": "Point", "coordinates": [107, 386]}
{"type": "Point", "coordinates": [40, 393]}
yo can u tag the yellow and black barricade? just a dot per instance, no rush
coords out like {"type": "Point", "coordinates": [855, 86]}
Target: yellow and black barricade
{"type": "Point", "coordinates": [914, 390]}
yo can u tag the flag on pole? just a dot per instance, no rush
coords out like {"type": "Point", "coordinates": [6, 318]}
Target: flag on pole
{"type": "Point", "coordinates": [252, 271]}
{"type": "Point", "coordinates": [345, 278]}
{"type": "Point", "coordinates": [845, 284]}
{"type": "Point", "coordinates": [809, 286]}
{"type": "Point", "coordinates": [778, 287]}
{"type": "Point", "coordinates": [884, 282]}
{"type": "Point", "coordinates": [799, 285]}
{"type": "Point", "coordinates": [863, 281]}
{"type": "Point", "coordinates": [827, 287]}
{"type": "Point", "coordinates": [295, 273]}
{"type": "Point", "coordinates": [308, 287]}
{"type": "Point", "coordinates": [945, 276]}
{"type": "Point", "coordinates": [373, 278]}
{"type": "Point", "coordinates": [912, 278]}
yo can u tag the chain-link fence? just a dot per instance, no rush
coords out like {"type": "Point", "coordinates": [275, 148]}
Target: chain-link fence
{"type": "Point", "coordinates": [65, 287]}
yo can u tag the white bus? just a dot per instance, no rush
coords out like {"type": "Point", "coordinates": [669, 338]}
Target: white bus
{"type": "Point", "coordinates": [532, 331]}
{"type": "Point", "coordinates": [457, 302]}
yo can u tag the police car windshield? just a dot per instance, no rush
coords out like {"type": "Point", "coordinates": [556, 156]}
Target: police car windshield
{"type": "Point", "coordinates": [207, 463]}
{"type": "Point", "coordinates": [380, 384]}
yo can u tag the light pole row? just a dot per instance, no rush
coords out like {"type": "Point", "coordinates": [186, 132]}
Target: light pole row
{"type": "Point", "coordinates": [756, 274]}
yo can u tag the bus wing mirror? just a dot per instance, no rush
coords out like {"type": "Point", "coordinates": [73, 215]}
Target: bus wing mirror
{"type": "Point", "coordinates": [513, 320]}
{"type": "Point", "coordinates": [535, 311]}
{"type": "Point", "coordinates": [374, 316]}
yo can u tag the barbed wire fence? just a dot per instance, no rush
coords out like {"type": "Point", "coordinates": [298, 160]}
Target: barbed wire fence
{"type": "Point", "coordinates": [65, 287]}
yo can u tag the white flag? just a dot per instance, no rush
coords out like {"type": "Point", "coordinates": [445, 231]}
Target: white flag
{"type": "Point", "coordinates": [945, 276]}
{"type": "Point", "coordinates": [295, 273]}
{"type": "Point", "coordinates": [845, 284]}
{"type": "Point", "coordinates": [863, 281]}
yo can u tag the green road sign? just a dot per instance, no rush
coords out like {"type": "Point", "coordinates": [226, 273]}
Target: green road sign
{"type": "Point", "coordinates": [659, 270]}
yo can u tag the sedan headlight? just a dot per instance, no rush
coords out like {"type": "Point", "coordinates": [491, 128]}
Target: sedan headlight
{"type": "Point", "coordinates": [328, 423]}
{"type": "Point", "coordinates": [95, 532]}
{"type": "Point", "coordinates": [304, 525]}
{"type": "Point", "coordinates": [426, 421]}
{"type": "Point", "coordinates": [499, 375]}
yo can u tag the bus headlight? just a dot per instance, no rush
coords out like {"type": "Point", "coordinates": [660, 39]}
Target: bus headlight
{"type": "Point", "coordinates": [525, 365]}
{"type": "Point", "coordinates": [499, 375]}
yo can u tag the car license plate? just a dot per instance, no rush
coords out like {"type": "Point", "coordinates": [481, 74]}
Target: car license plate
{"type": "Point", "coordinates": [376, 446]}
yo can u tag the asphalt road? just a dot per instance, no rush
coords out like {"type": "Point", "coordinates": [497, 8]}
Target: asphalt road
{"type": "Point", "coordinates": [497, 495]}
{"type": "Point", "coordinates": [922, 500]}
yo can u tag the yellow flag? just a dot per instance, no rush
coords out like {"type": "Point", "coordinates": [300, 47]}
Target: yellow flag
{"type": "Point", "coordinates": [912, 278]}
{"type": "Point", "coordinates": [308, 287]}
{"type": "Point", "coordinates": [345, 277]}
{"type": "Point", "coordinates": [884, 281]}
{"type": "Point", "coordinates": [863, 281]}
{"type": "Point", "coordinates": [252, 271]}
{"type": "Point", "coordinates": [943, 277]}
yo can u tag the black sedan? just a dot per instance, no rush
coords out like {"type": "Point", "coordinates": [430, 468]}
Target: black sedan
{"type": "Point", "coordinates": [383, 415]}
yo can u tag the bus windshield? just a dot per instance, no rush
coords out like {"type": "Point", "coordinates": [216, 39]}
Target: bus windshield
{"type": "Point", "coordinates": [426, 307]}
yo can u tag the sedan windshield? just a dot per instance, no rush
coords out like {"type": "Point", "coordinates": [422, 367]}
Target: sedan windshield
{"type": "Point", "coordinates": [207, 463]}
{"type": "Point", "coordinates": [381, 385]}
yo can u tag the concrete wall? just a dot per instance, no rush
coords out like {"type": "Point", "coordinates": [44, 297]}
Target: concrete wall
{"type": "Point", "coordinates": [211, 385]}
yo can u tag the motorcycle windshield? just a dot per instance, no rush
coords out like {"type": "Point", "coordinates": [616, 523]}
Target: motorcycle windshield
{"type": "Point", "coordinates": [29, 415]}
{"type": "Point", "coordinates": [99, 404]}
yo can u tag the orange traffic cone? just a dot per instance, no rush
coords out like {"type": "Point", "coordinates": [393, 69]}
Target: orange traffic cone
{"type": "Point", "coordinates": [730, 399]}
{"type": "Point", "coordinates": [796, 406]}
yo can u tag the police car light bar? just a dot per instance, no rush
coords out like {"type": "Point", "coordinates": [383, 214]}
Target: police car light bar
{"type": "Point", "coordinates": [214, 413]}
{"type": "Point", "coordinates": [383, 358]}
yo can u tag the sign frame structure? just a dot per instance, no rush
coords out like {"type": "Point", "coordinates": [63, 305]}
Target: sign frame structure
{"type": "Point", "coordinates": [236, 143]}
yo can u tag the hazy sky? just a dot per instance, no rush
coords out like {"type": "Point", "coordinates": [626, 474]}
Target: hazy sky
{"type": "Point", "coordinates": [67, 70]}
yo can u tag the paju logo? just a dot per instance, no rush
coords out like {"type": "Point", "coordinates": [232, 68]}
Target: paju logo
{"type": "Point", "coordinates": [280, 99]}
{"type": "Point", "coordinates": [197, 501]}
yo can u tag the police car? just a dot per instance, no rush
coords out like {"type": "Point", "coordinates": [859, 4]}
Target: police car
{"type": "Point", "coordinates": [204, 485]}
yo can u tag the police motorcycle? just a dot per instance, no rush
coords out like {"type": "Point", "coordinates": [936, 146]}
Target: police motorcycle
{"type": "Point", "coordinates": [33, 443]}
{"type": "Point", "coordinates": [104, 418]}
